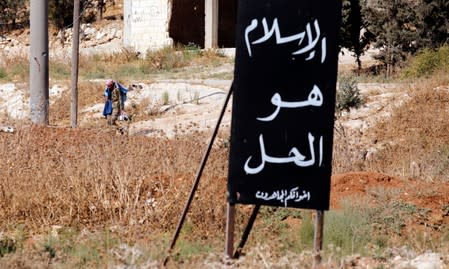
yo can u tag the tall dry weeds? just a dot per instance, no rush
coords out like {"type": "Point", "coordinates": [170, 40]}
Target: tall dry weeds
{"type": "Point", "coordinates": [418, 135]}
{"type": "Point", "coordinates": [413, 142]}
{"type": "Point", "coordinates": [90, 178]}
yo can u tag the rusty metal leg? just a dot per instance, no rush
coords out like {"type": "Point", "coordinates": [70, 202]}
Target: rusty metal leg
{"type": "Point", "coordinates": [248, 228]}
{"type": "Point", "coordinates": [230, 224]}
{"type": "Point", "coordinates": [318, 237]}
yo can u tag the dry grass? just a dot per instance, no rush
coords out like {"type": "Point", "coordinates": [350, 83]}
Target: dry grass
{"type": "Point", "coordinates": [416, 136]}
{"type": "Point", "coordinates": [91, 178]}
{"type": "Point", "coordinates": [94, 180]}
{"type": "Point", "coordinates": [411, 143]}
{"type": "Point", "coordinates": [14, 68]}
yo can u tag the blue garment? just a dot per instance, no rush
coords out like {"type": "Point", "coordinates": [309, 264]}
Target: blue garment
{"type": "Point", "coordinates": [107, 108]}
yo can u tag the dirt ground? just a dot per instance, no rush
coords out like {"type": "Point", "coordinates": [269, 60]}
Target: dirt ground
{"type": "Point", "coordinates": [428, 195]}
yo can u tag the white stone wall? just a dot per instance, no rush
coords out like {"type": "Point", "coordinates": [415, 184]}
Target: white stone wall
{"type": "Point", "coordinates": [146, 24]}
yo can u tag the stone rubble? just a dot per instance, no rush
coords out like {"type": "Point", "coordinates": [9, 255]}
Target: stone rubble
{"type": "Point", "coordinates": [91, 37]}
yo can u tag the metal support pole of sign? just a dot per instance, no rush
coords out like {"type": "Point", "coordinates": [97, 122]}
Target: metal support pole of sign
{"type": "Point", "coordinates": [230, 222]}
{"type": "Point", "coordinates": [198, 175]}
{"type": "Point", "coordinates": [318, 237]}
{"type": "Point", "coordinates": [248, 228]}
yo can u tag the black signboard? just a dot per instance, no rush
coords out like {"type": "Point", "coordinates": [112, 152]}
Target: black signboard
{"type": "Point", "coordinates": [283, 103]}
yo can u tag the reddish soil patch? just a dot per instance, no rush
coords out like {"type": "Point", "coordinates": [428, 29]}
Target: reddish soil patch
{"type": "Point", "coordinates": [433, 196]}
{"type": "Point", "coordinates": [358, 183]}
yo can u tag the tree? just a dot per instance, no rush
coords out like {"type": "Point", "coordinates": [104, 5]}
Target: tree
{"type": "Point", "coordinates": [433, 28]}
{"type": "Point", "coordinates": [61, 11]}
{"type": "Point", "coordinates": [101, 6]}
{"type": "Point", "coordinates": [393, 23]}
{"type": "Point", "coordinates": [13, 12]}
{"type": "Point", "coordinates": [353, 33]}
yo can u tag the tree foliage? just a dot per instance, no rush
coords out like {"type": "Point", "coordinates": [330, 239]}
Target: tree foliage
{"type": "Point", "coordinates": [397, 28]}
{"type": "Point", "coordinates": [13, 12]}
{"type": "Point", "coordinates": [353, 33]}
{"type": "Point", "coordinates": [394, 25]}
{"type": "Point", "coordinates": [433, 19]}
{"type": "Point", "coordinates": [61, 11]}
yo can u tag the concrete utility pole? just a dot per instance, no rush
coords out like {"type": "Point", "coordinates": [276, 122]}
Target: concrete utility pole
{"type": "Point", "coordinates": [75, 57]}
{"type": "Point", "coordinates": [211, 24]}
{"type": "Point", "coordinates": [39, 61]}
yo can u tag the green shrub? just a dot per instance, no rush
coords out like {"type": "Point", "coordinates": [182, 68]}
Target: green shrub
{"type": "Point", "coordinates": [306, 231]}
{"type": "Point", "coordinates": [428, 62]}
{"type": "Point", "coordinates": [348, 95]}
{"type": "Point", "coordinates": [7, 245]}
{"type": "Point", "coordinates": [192, 50]}
{"type": "Point", "coordinates": [3, 73]}
{"type": "Point", "coordinates": [348, 229]}
{"type": "Point", "coordinates": [165, 98]}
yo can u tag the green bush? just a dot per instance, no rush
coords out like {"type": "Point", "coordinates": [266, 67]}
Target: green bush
{"type": "Point", "coordinates": [306, 231]}
{"type": "Point", "coordinates": [192, 50]}
{"type": "Point", "coordinates": [348, 95]}
{"type": "Point", "coordinates": [165, 98]}
{"type": "Point", "coordinates": [7, 245]}
{"type": "Point", "coordinates": [428, 62]}
{"type": "Point", "coordinates": [3, 73]}
{"type": "Point", "coordinates": [348, 229]}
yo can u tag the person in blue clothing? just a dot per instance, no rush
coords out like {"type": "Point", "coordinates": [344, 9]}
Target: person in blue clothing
{"type": "Point", "coordinates": [114, 97]}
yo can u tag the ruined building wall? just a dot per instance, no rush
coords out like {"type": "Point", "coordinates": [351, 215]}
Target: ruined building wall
{"type": "Point", "coordinates": [146, 24]}
{"type": "Point", "coordinates": [153, 24]}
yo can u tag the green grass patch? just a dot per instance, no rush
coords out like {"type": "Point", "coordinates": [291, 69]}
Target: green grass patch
{"type": "Point", "coordinates": [347, 229]}
{"type": "Point", "coordinates": [3, 74]}
{"type": "Point", "coordinates": [273, 216]}
{"type": "Point", "coordinates": [187, 249]}
{"type": "Point", "coordinates": [307, 230]}
{"type": "Point", "coordinates": [165, 98]}
{"type": "Point", "coordinates": [7, 245]}
{"type": "Point", "coordinates": [95, 73]}
{"type": "Point", "coordinates": [20, 70]}
{"type": "Point", "coordinates": [59, 70]}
